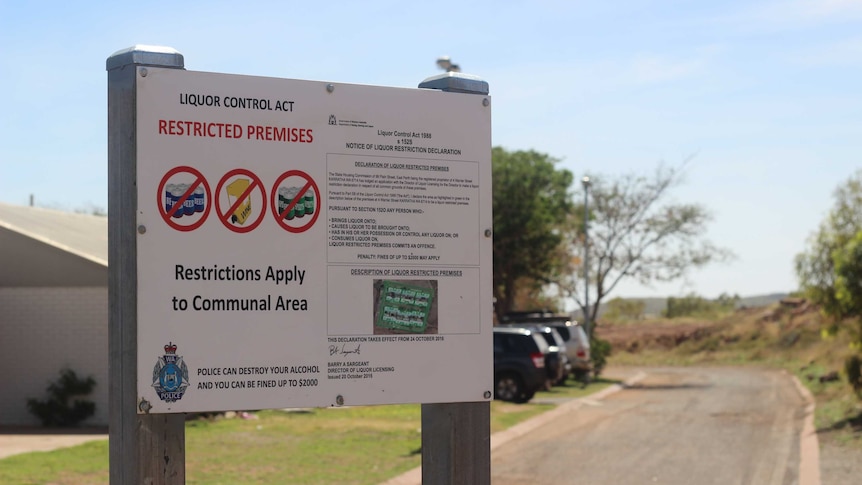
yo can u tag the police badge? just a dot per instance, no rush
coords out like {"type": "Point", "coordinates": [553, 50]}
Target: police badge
{"type": "Point", "coordinates": [170, 375]}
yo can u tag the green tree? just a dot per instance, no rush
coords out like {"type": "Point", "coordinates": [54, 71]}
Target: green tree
{"type": "Point", "coordinates": [693, 305]}
{"type": "Point", "coordinates": [625, 309]}
{"type": "Point", "coordinates": [848, 276]}
{"type": "Point", "coordinates": [531, 200]}
{"type": "Point", "coordinates": [829, 269]}
{"type": "Point", "coordinates": [727, 302]}
{"type": "Point", "coordinates": [635, 233]}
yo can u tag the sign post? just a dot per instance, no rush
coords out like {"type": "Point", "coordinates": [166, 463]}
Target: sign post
{"type": "Point", "coordinates": [143, 448]}
{"type": "Point", "coordinates": [456, 437]}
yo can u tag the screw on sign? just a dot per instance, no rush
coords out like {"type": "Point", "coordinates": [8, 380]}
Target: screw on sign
{"type": "Point", "coordinates": [244, 198]}
{"type": "Point", "coordinates": [295, 201]}
{"type": "Point", "coordinates": [184, 198]}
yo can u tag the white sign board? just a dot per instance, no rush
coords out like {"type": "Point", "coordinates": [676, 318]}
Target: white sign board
{"type": "Point", "coordinates": [310, 244]}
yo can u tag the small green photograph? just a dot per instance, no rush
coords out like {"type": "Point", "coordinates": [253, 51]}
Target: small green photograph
{"type": "Point", "coordinates": [405, 306]}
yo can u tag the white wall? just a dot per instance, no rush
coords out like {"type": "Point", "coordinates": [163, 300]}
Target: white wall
{"type": "Point", "coordinates": [43, 330]}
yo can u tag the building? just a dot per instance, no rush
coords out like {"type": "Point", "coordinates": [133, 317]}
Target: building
{"type": "Point", "coordinates": [53, 306]}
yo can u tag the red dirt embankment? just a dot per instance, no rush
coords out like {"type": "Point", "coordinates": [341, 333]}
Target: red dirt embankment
{"type": "Point", "coordinates": [636, 336]}
{"type": "Point", "coordinates": [783, 318]}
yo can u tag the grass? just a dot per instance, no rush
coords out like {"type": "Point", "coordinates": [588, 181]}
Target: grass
{"type": "Point", "coordinates": [79, 465]}
{"type": "Point", "coordinates": [352, 445]}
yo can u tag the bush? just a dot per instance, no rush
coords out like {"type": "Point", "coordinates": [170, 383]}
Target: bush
{"type": "Point", "coordinates": [696, 306]}
{"type": "Point", "coordinates": [57, 411]}
{"type": "Point", "coordinates": [620, 309]}
{"type": "Point", "coordinates": [853, 368]}
{"type": "Point", "coordinates": [599, 352]}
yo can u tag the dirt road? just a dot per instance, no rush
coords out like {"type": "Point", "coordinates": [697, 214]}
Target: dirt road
{"type": "Point", "coordinates": [678, 426]}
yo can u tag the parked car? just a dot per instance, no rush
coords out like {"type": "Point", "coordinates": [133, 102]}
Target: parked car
{"type": "Point", "coordinates": [556, 359]}
{"type": "Point", "coordinates": [577, 348]}
{"type": "Point", "coordinates": [577, 342]}
{"type": "Point", "coordinates": [519, 363]}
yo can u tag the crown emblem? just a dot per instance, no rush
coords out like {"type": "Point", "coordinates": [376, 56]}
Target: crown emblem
{"type": "Point", "coordinates": [171, 348]}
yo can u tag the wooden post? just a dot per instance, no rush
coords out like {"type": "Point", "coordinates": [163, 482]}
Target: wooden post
{"type": "Point", "coordinates": [456, 443]}
{"type": "Point", "coordinates": [456, 437]}
{"type": "Point", "coordinates": [143, 449]}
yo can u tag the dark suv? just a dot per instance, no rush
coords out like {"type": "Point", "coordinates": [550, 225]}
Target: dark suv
{"type": "Point", "coordinates": [519, 363]}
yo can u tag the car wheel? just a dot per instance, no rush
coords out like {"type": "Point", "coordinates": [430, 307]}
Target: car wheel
{"type": "Point", "coordinates": [525, 397]}
{"type": "Point", "coordinates": [509, 387]}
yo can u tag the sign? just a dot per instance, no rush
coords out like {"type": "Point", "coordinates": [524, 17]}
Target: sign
{"type": "Point", "coordinates": [346, 262]}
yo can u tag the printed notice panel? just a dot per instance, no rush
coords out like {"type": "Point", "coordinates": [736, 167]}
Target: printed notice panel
{"type": "Point", "coordinates": [310, 244]}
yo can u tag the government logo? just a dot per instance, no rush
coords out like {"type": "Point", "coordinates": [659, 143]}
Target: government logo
{"type": "Point", "coordinates": [170, 375]}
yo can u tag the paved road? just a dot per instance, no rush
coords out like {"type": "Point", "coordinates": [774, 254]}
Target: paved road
{"type": "Point", "coordinates": [679, 426]}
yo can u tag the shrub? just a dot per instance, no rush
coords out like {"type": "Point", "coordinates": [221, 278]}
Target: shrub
{"type": "Point", "coordinates": [599, 352]}
{"type": "Point", "coordinates": [853, 368]}
{"type": "Point", "coordinates": [696, 306]}
{"type": "Point", "coordinates": [57, 410]}
{"type": "Point", "coordinates": [621, 309]}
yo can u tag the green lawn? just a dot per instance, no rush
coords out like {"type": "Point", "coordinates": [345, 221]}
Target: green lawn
{"type": "Point", "coordinates": [353, 445]}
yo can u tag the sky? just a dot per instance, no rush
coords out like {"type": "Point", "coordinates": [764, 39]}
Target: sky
{"type": "Point", "coordinates": [765, 95]}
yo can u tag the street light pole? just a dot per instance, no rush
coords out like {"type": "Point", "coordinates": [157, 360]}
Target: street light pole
{"type": "Point", "coordinates": [586, 183]}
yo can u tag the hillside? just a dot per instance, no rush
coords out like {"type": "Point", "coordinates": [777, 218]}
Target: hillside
{"type": "Point", "coordinates": [655, 306]}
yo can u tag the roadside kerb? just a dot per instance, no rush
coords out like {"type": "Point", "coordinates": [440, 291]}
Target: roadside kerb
{"type": "Point", "coordinates": [809, 446]}
{"type": "Point", "coordinates": [498, 439]}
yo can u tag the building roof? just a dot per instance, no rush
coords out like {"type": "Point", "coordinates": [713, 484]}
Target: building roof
{"type": "Point", "coordinates": [46, 247]}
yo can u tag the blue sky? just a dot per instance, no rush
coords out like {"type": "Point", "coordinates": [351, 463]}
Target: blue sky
{"type": "Point", "coordinates": [765, 93]}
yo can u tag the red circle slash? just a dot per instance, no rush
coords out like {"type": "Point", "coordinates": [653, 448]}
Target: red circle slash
{"type": "Point", "coordinates": [167, 215]}
{"type": "Point", "coordinates": [242, 199]}
{"type": "Point", "coordinates": [280, 217]}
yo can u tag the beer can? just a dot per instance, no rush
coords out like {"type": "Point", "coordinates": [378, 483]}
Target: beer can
{"type": "Point", "coordinates": [281, 202]}
{"type": "Point", "coordinates": [309, 201]}
{"type": "Point", "coordinates": [176, 194]}
{"type": "Point", "coordinates": [200, 203]}
{"type": "Point", "coordinates": [169, 201]}
{"type": "Point", "coordinates": [289, 195]}
{"type": "Point", "coordinates": [189, 203]}
{"type": "Point", "coordinates": [299, 208]}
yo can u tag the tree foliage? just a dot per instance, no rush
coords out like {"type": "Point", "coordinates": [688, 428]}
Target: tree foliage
{"type": "Point", "coordinates": [63, 407]}
{"type": "Point", "coordinates": [695, 306]}
{"type": "Point", "coordinates": [635, 232]}
{"type": "Point", "coordinates": [848, 276]}
{"type": "Point", "coordinates": [531, 200]}
{"type": "Point", "coordinates": [830, 269]}
{"type": "Point", "coordinates": [625, 309]}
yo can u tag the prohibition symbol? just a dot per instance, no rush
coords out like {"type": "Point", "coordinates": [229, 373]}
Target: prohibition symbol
{"type": "Point", "coordinates": [295, 201]}
{"type": "Point", "coordinates": [244, 197]}
{"type": "Point", "coordinates": [189, 203]}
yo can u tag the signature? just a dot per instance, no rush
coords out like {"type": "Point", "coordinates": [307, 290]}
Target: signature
{"type": "Point", "coordinates": [342, 350]}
